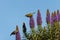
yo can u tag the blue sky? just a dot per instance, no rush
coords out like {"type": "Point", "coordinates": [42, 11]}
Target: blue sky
{"type": "Point", "coordinates": [12, 13]}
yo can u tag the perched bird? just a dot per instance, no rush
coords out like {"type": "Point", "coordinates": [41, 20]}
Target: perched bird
{"type": "Point", "coordinates": [30, 14]}
{"type": "Point", "coordinates": [16, 33]}
{"type": "Point", "coordinates": [24, 28]}
{"type": "Point", "coordinates": [31, 22]}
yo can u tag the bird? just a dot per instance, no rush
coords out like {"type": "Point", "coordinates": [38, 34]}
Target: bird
{"type": "Point", "coordinates": [16, 33]}
{"type": "Point", "coordinates": [24, 27]}
{"type": "Point", "coordinates": [30, 14]}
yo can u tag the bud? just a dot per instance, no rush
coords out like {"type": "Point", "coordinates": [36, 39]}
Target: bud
{"type": "Point", "coordinates": [18, 34]}
{"type": "Point", "coordinates": [52, 19]}
{"type": "Point", "coordinates": [48, 16]}
{"type": "Point", "coordinates": [55, 19]}
{"type": "Point", "coordinates": [32, 22]}
{"type": "Point", "coordinates": [44, 29]}
{"type": "Point", "coordinates": [39, 20]}
{"type": "Point", "coordinates": [58, 14]}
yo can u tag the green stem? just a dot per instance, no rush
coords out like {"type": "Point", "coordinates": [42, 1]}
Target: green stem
{"type": "Point", "coordinates": [40, 28]}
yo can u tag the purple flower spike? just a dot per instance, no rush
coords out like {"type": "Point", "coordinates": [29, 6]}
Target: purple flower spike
{"type": "Point", "coordinates": [31, 22]}
{"type": "Point", "coordinates": [17, 34]}
{"type": "Point", "coordinates": [55, 19]}
{"type": "Point", "coordinates": [52, 19]}
{"type": "Point", "coordinates": [48, 17]}
{"type": "Point", "coordinates": [58, 14]}
{"type": "Point", "coordinates": [39, 20]}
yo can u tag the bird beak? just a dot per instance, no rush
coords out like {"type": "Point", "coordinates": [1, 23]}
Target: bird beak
{"type": "Point", "coordinates": [26, 15]}
{"type": "Point", "coordinates": [13, 33]}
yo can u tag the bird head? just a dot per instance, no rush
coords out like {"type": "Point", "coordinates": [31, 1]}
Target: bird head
{"type": "Point", "coordinates": [29, 15]}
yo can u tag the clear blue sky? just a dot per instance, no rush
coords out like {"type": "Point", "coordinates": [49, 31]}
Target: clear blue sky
{"type": "Point", "coordinates": [12, 13]}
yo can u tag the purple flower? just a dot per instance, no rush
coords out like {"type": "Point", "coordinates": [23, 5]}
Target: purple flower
{"type": "Point", "coordinates": [17, 34]}
{"type": "Point", "coordinates": [55, 18]}
{"type": "Point", "coordinates": [39, 20]}
{"type": "Point", "coordinates": [58, 14]}
{"type": "Point", "coordinates": [52, 19]}
{"type": "Point", "coordinates": [48, 17]}
{"type": "Point", "coordinates": [31, 22]}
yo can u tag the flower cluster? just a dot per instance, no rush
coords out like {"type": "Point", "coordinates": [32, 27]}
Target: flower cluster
{"type": "Point", "coordinates": [49, 32]}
